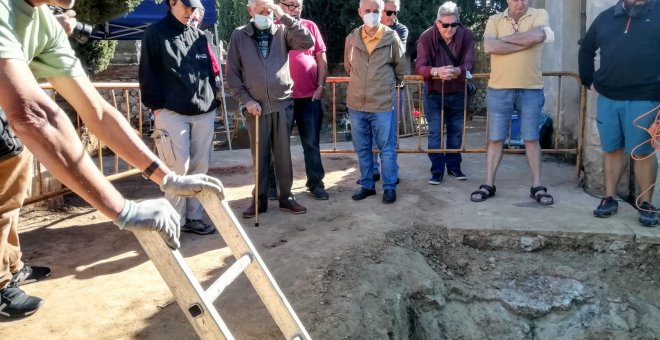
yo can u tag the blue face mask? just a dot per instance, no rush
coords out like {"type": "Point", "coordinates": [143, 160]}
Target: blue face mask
{"type": "Point", "coordinates": [371, 20]}
{"type": "Point", "coordinates": [263, 21]}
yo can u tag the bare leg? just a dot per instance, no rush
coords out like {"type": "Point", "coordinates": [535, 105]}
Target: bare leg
{"type": "Point", "coordinates": [533, 154]}
{"type": "Point", "coordinates": [493, 159]}
{"type": "Point", "coordinates": [645, 173]}
{"type": "Point", "coordinates": [613, 167]}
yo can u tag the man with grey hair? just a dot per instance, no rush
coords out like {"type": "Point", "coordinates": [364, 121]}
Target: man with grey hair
{"type": "Point", "coordinates": [258, 77]}
{"type": "Point", "coordinates": [514, 39]}
{"type": "Point", "coordinates": [445, 56]}
{"type": "Point", "coordinates": [374, 59]}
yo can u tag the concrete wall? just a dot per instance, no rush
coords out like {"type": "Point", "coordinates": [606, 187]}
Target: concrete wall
{"type": "Point", "coordinates": [561, 55]}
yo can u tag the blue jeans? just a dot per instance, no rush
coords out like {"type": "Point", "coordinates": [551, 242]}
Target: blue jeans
{"type": "Point", "coordinates": [394, 116]}
{"type": "Point", "coordinates": [365, 128]}
{"type": "Point", "coordinates": [309, 115]}
{"type": "Point", "coordinates": [501, 104]}
{"type": "Point", "coordinates": [454, 123]}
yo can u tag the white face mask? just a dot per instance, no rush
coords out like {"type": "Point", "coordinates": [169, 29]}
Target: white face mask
{"type": "Point", "coordinates": [371, 20]}
{"type": "Point", "coordinates": [263, 21]}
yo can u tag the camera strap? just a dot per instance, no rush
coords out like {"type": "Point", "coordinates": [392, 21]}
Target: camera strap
{"type": "Point", "coordinates": [10, 145]}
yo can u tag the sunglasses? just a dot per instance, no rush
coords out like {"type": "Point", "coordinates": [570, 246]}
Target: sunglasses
{"type": "Point", "coordinates": [291, 7]}
{"type": "Point", "coordinates": [390, 13]}
{"type": "Point", "coordinates": [452, 25]}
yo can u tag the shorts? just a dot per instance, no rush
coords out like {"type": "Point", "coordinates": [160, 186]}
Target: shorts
{"type": "Point", "coordinates": [615, 124]}
{"type": "Point", "coordinates": [501, 105]}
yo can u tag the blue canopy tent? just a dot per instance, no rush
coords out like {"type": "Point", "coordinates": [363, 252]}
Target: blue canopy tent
{"type": "Point", "coordinates": [131, 25]}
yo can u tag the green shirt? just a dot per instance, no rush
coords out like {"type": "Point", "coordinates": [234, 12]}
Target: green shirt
{"type": "Point", "coordinates": [33, 34]}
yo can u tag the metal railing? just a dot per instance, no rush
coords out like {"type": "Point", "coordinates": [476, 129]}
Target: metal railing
{"type": "Point", "coordinates": [126, 99]}
{"type": "Point", "coordinates": [417, 81]}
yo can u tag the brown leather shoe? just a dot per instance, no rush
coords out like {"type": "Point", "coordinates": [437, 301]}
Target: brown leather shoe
{"type": "Point", "coordinates": [292, 206]}
{"type": "Point", "coordinates": [250, 211]}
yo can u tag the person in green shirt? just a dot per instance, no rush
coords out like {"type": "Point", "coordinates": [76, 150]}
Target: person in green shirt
{"type": "Point", "coordinates": [33, 46]}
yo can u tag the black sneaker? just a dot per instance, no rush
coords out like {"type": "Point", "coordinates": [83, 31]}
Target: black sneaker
{"type": "Point", "coordinates": [435, 179]}
{"type": "Point", "coordinates": [647, 215]}
{"type": "Point", "coordinates": [197, 227]}
{"type": "Point", "coordinates": [29, 274]}
{"type": "Point", "coordinates": [608, 206]}
{"type": "Point", "coordinates": [14, 303]}
{"type": "Point", "coordinates": [319, 193]}
{"type": "Point", "coordinates": [458, 174]}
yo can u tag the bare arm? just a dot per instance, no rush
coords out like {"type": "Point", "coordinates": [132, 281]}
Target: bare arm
{"type": "Point", "coordinates": [530, 38]}
{"type": "Point", "coordinates": [322, 73]}
{"type": "Point", "coordinates": [47, 132]}
{"type": "Point", "coordinates": [492, 45]}
{"type": "Point", "coordinates": [107, 123]}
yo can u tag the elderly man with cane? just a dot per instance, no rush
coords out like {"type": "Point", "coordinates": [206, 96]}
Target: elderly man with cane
{"type": "Point", "coordinates": [261, 81]}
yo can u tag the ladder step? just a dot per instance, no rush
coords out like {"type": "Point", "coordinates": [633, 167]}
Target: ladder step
{"type": "Point", "coordinates": [213, 292]}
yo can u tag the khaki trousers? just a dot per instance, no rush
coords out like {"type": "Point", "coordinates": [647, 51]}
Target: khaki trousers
{"type": "Point", "coordinates": [15, 182]}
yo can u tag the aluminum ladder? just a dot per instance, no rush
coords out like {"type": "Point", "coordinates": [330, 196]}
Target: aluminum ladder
{"type": "Point", "coordinates": [196, 303]}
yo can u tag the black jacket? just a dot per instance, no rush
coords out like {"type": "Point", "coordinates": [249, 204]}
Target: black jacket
{"type": "Point", "coordinates": [629, 54]}
{"type": "Point", "coordinates": [175, 68]}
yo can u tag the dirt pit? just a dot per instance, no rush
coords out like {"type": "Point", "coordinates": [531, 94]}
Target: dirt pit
{"type": "Point", "coordinates": [421, 284]}
{"type": "Point", "coordinates": [431, 266]}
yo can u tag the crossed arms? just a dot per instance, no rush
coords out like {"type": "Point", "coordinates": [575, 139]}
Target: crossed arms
{"type": "Point", "coordinates": [515, 42]}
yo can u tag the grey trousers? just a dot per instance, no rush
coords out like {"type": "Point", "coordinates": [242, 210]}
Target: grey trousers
{"type": "Point", "coordinates": [184, 143]}
{"type": "Point", "coordinates": [274, 130]}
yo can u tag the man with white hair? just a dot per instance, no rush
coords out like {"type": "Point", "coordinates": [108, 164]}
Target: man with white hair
{"type": "Point", "coordinates": [258, 77]}
{"type": "Point", "coordinates": [389, 18]}
{"type": "Point", "coordinates": [514, 39]}
{"type": "Point", "coordinates": [445, 55]}
{"type": "Point", "coordinates": [374, 59]}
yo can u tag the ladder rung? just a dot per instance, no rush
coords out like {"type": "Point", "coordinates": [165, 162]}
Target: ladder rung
{"type": "Point", "coordinates": [213, 292]}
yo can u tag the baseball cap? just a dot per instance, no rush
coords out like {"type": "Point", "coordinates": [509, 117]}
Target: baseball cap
{"type": "Point", "coordinates": [193, 3]}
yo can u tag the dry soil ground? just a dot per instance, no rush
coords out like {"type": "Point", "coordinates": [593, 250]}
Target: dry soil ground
{"type": "Point", "coordinates": [431, 266]}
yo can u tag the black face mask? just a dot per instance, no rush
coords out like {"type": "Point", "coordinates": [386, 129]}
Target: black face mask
{"type": "Point", "coordinates": [635, 11]}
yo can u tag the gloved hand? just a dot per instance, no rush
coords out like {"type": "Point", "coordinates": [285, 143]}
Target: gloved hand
{"type": "Point", "coordinates": [155, 214]}
{"type": "Point", "coordinates": [191, 185]}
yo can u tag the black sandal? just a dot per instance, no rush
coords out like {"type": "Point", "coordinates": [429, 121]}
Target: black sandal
{"type": "Point", "coordinates": [483, 195]}
{"type": "Point", "coordinates": [534, 193]}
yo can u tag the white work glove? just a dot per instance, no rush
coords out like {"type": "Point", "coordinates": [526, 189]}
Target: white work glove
{"type": "Point", "coordinates": [156, 214]}
{"type": "Point", "coordinates": [191, 185]}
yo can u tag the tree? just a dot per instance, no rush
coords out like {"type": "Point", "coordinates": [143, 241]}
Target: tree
{"type": "Point", "coordinates": [233, 14]}
{"type": "Point", "coordinates": [96, 54]}
{"type": "Point", "coordinates": [337, 18]}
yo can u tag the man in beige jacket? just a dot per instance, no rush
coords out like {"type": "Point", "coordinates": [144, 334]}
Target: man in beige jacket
{"type": "Point", "coordinates": [374, 59]}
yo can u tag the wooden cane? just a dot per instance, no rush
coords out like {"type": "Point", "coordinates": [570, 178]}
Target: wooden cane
{"type": "Point", "coordinates": [256, 170]}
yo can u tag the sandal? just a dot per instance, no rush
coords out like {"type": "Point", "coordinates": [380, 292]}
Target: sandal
{"type": "Point", "coordinates": [483, 194]}
{"type": "Point", "coordinates": [543, 198]}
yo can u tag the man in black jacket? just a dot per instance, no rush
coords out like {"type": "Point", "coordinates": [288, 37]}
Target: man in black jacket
{"type": "Point", "coordinates": [178, 84]}
{"type": "Point", "coordinates": [628, 85]}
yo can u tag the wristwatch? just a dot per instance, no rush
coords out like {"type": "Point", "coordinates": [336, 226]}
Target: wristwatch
{"type": "Point", "coordinates": [150, 169]}
{"type": "Point", "coordinates": [434, 72]}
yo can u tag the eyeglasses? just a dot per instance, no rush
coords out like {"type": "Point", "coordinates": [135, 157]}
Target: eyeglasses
{"type": "Point", "coordinates": [291, 7]}
{"type": "Point", "coordinates": [452, 25]}
{"type": "Point", "coordinates": [390, 13]}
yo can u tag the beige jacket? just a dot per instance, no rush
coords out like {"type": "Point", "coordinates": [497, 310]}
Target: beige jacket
{"type": "Point", "coordinates": [373, 77]}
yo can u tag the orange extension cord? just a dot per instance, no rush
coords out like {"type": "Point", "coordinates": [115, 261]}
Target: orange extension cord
{"type": "Point", "coordinates": [654, 140]}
